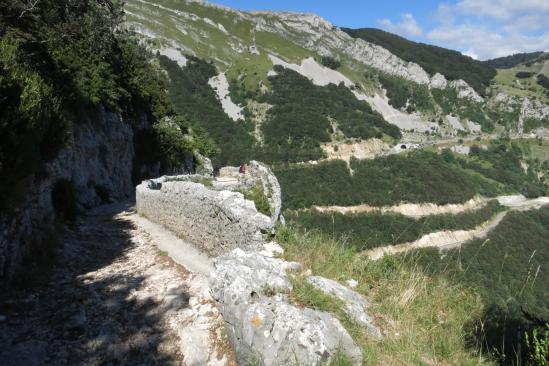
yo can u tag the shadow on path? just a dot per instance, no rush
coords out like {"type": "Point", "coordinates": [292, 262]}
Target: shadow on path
{"type": "Point", "coordinates": [106, 302]}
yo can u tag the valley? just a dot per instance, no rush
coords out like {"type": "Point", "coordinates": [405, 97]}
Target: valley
{"type": "Point", "coordinates": [187, 183]}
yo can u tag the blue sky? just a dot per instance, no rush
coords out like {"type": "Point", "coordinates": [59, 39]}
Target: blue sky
{"type": "Point", "coordinates": [479, 28]}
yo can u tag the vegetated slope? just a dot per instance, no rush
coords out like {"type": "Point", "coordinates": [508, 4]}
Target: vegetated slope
{"type": "Point", "coordinates": [195, 99]}
{"type": "Point", "coordinates": [509, 269]}
{"type": "Point", "coordinates": [452, 64]}
{"type": "Point", "coordinates": [430, 312]}
{"type": "Point", "coordinates": [61, 60]}
{"type": "Point", "coordinates": [305, 115]}
{"type": "Point", "coordinates": [369, 230]}
{"type": "Point", "coordinates": [420, 176]}
{"type": "Point", "coordinates": [417, 177]}
{"type": "Point", "coordinates": [508, 62]}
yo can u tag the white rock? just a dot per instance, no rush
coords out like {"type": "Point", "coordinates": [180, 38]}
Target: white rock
{"type": "Point", "coordinates": [438, 81]}
{"type": "Point", "coordinates": [220, 85]}
{"type": "Point", "coordinates": [355, 304]}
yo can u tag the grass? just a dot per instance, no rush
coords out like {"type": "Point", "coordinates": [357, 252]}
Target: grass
{"type": "Point", "coordinates": [257, 195]}
{"type": "Point", "coordinates": [422, 318]}
{"type": "Point", "coordinates": [161, 253]}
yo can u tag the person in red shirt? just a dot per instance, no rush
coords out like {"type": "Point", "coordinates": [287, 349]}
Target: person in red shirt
{"type": "Point", "coordinates": [242, 169]}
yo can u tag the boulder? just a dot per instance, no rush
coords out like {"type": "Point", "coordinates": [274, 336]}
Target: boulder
{"type": "Point", "coordinates": [264, 328]}
{"type": "Point", "coordinates": [355, 304]}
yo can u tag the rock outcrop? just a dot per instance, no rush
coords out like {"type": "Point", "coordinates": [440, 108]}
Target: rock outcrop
{"type": "Point", "coordinates": [355, 304]}
{"type": "Point", "coordinates": [96, 165]}
{"type": "Point", "coordinates": [251, 291]}
{"type": "Point", "coordinates": [464, 91]}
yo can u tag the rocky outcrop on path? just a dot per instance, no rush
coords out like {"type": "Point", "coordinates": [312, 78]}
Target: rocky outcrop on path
{"type": "Point", "coordinates": [252, 290]}
{"type": "Point", "coordinates": [250, 287]}
{"type": "Point", "coordinates": [114, 299]}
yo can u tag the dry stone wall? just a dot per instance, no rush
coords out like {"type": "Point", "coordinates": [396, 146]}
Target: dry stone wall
{"type": "Point", "coordinates": [214, 221]}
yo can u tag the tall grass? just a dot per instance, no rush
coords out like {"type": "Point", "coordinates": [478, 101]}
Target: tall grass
{"type": "Point", "coordinates": [423, 319]}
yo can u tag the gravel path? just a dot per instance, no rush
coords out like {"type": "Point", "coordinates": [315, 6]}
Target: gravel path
{"type": "Point", "coordinates": [113, 298]}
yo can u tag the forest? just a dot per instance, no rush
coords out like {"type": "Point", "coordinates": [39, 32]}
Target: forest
{"type": "Point", "coordinates": [300, 119]}
{"type": "Point", "coordinates": [417, 177]}
{"type": "Point", "coordinates": [508, 62]}
{"type": "Point", "coordinates": [369, 230]}
{"type": "Point", "coordinates": [197, 101]}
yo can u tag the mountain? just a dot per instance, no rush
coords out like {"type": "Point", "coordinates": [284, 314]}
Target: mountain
{"type": "Point", "coordinates": [361, 126]}
{"type": "Point", "coordinates": [452, 64]}
{"type": "Point", "coordinates": [508, 62]}
{"type": "Point", "coordinates": [416, 180]}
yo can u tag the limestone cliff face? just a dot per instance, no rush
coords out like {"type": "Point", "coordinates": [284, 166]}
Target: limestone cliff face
{"type": "Point", "coordinates": [96, 165]}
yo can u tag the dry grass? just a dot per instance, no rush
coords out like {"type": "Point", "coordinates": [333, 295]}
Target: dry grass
{"type": "Point", "coordinates": [422, 318]}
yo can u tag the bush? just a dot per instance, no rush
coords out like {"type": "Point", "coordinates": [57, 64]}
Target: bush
{"type": "Point", "coordinates": [330, 62]}
{"type": "Point", "coordinates": [524, 74]}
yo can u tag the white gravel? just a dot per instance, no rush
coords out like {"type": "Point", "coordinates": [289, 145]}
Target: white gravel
{"type": "Point", "coordinates": [220, 85]}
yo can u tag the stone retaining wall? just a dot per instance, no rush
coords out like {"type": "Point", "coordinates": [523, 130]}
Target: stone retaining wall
{"type": "Point", "coordinates": [214, 221]}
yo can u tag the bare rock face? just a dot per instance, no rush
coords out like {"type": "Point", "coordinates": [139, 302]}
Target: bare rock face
{"type": "Point", "coordinates": [355, 304]}
{"type": "Point", "coordinates": [265, 329]}
{"type": "Point", "coordinates": [215, 221]}
{"type": "Point", "coordinates": [438, 81]}
{"type": "Point", "coordinates": [98, 165]}
{"type": "Point", "coordinates": [465, 91]}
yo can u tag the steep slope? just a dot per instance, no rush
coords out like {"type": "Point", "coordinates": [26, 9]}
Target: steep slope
{"type": "Point", "coordinates": [452, 64]}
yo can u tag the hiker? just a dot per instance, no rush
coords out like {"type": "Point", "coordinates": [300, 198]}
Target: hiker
{"type": "Point", "coordinates": [242, 169]}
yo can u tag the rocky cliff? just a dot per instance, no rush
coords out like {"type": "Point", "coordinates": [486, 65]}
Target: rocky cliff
{"type": "Point", "coordinates": [95, 167]}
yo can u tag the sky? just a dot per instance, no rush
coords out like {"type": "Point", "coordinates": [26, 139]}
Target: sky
{"type": "Point", "coordinates": [482, 29]}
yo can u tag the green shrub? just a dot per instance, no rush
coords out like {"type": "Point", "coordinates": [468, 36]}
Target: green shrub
{"type": "Point", "coordinates": [330, 62]}
{"type": "Point", "coordinates": [257, 195]}
{"type": "Point", "coordinates": [524, 74]}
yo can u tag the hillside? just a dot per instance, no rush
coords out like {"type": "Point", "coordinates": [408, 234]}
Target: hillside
{"type": "Point", "coordinates": [427, 128]}
{"type": "Point", "coordinates": [452, 64]}
{"type": "Point", "coordinates": [508, 62]}
{"type": "Point", "coordinates": [187, 183]}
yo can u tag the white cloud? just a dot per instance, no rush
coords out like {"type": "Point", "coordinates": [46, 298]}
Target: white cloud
{"type": "Point", "coordinates": [484, 43]}
{"type": "Point", "coordinates": [492, 28]}
{"type": "Point", "coordinates": [407, 27]}
{"type": "Point", "coordinates": [502, 9]}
